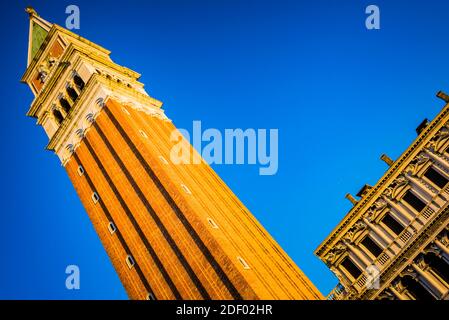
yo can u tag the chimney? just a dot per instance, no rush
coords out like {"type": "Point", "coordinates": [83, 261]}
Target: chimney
{"type": "Point", "coordinates": [387, 160]}
{"type": "Point", "coordinates": [422, 126]}
{"type": "Point", "coordinates": [443, 96]}
{"type": "Point", "coordinates": [351, 198]}
{"type": "Point", "coordinates": [363, 191]}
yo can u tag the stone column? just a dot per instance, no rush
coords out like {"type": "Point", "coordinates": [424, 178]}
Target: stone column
{"type": "Point", "coordinates": [379, 231]}
{"type": "Point", "coordinates": [438, 288]}
{"type": "Point", "coordinates": [428, 191]}
{"type": "Point", "coordinates": [437, 158]}
{"type": "Point", "coordinates": [398, 290]}
{"type": "Point", "coordinates": [399, 209]}
{"type": "Point", "coordinates": [74, 87]}
{"type": "Point", "coordinates": [359, 254]}
{"type": "Point", "coordinates": [442, 247]}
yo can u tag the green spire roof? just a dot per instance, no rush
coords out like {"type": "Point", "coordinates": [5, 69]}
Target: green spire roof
{"type": "Point", "coordinates": [37, 38]}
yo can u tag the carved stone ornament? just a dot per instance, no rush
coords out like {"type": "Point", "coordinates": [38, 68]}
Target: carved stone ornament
{"type": "Point", "coordinates": [348, 237]}
{"type": "Point", "coordinates": [42, 76]}
{"type": "Point", "coordinates": [443, 133]}
{"type": "Point", "coordinates": [398, 286]}
{"type": "Point", "coordinates": [422, 158]}
{"type": "Point", "coordinates": [386, 294]}
{"type": "Point", "coordinates": [411, 169]}
{"type": "Point", "coordinates": [409, 271]}
{"type": "Point", "coordinates": [388, 192]}
{"type": "Point", "coordinates": [444, 239]}
{"type": "Point", "coordinates": [431, 146]}
{"type": "Point", "coordinates": [380, 204]}
{"type": "Point", "coordinates": [421, 263]}
{"type": "Point", "coordinates": [401, 181]}
{"type": "Point", "coordinates": [370, 215]}
{"type": "Point", "coordinates": [340, 247]}
{"type": "Point", "coordinates": [45, 68]}
{"type": "Point", "coordinates": [433, 248]}
{"type": "Point", "coordinates": [356, 228]}
{"type": "Point", "coordinates": [359, 225]}
{"type": "Point", "coordinates": [330, 258]}
{"type": "Point", "coordinates": [439, 138]}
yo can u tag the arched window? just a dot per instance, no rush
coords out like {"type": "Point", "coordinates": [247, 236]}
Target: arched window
{"type": "Point", "coordinates": [416, 288]}
{"type": "Point", "coordinates": [65, 105]}
{"type": "Point", "coordinates": [78, 82]}
{"type": "Point", "coordinates": [58, 115]}
{"type": "Point", "coordinates": [72, 93]}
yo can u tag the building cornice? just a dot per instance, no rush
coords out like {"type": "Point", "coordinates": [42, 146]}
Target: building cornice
{"type": "Point", "coordinates": [357, 211]}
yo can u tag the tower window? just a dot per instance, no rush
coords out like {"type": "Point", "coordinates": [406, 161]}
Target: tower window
{"type": "Point", "coordinates": [80, 170]}
{"type": "Point", "coordinates": [78, 82]}
{"type": "Point", "coordinates": [414, 201]}
{"type": "Point", "coordinates": [65, 105]}
{"type": "Point", "coordinates": [111, 227]}
{"type": "Point", "coordinates": [393, 224]}
{"type": "Point", "coordinates": [95, 197]}
{"type": "Point", "coordinates": [437, 178]}
{"type": "Point", "coordinates": [186, 190]}
{"type": "Point", "coordinates": [58, 116]}
{"type": "Point", "coordinates": [351, 267]}
{"type": "Point", "coordinates": [243, 262]}
{"type": "Point", "coordinates": [163, 160]}
{"type": "Point", "coordinates": [72, 93]}
{"type": "Point", "coordinates": [143, 134]}
{"type": "Point", "coordinates": [126, 111]}
{"type": "Point", "coordinates": [130, 261]}
{"type": "Point", "coordinates": [212, 223]}
{"type": "Point", "coordinates": [372, 246]}
{"type": "Point", "coordinates": [151, 296]}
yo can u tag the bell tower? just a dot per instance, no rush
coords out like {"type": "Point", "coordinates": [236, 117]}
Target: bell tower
{"type": "Point", "coordinates": [172, 231]}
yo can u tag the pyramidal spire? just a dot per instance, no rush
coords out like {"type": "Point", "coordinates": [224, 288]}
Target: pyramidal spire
{"type": "Point", "coordinates": [39, 29]}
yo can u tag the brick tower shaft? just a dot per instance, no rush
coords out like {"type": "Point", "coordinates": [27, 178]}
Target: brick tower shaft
{"type": "Point", "coordinates": [172, 231]}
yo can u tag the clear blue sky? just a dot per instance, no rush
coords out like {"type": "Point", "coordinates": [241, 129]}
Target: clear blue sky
{"type": "Point", "coordinates": [339, 94]}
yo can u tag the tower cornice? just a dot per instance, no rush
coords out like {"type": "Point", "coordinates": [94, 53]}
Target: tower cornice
{"type": "Point", "coordinates": [58, 30]}
{"type": "Point", "coordinates": [63, 65]}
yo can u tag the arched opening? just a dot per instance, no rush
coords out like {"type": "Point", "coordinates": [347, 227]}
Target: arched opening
{"type": "Point", "coordinates": [65, 105]}
{"type": "Point", "coordinates": [72, 93]}
{"type": "Point", "coordinates": [416, 289]}
{"type": "Point", "coordinates": [438, 265]}
{"type": "Point", "coordinates": [58, 115]}
{"type": "Point", "coordinates": [78, 82]}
